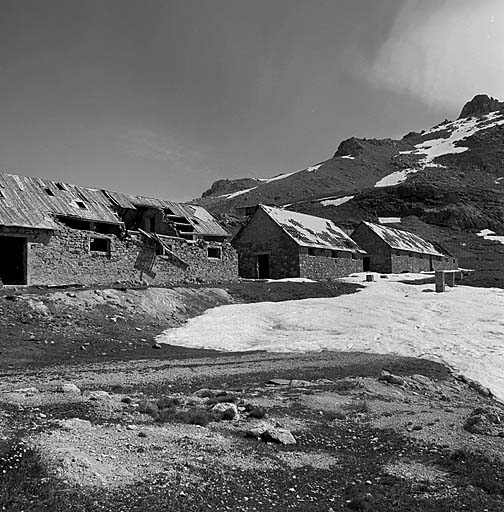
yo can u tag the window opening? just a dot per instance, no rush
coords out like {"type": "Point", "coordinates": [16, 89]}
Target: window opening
{"type": "Point", "coordinates": [214, 252]}
{"type": "Point", "coordinates": [99, 245]}
{"type": "Point", "coordinates": [81, 205]}
{"type": "Point", "coordinates": [49, 192]}
{"type": "Point", "coordinates": [61, 186]}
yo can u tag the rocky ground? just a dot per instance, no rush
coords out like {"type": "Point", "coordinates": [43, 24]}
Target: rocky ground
{"type": "Point", "coordinates": [171, 429]}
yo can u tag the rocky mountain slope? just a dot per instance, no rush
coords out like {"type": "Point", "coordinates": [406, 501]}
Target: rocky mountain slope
{"type": "Point", "coordinates": [447, 182]}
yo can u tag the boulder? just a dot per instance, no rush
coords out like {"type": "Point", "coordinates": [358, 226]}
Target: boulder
{"type": "Point", "coordinates": [278, 382]}
{"type": "Point", "coordinates": [391, 379]}
{"type": "Point", "coordinates": [68, 387]}
{"type": "Point", "coordinates": [226, 411]}
{"type": "Point", "coordinates": [486, 421]}
{"type": "Point", "coordinates": [96, 395]}
{"type": "Point", "coordinates": [269, 433]}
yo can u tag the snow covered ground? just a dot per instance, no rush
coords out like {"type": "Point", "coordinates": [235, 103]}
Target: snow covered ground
{"type": "Point", "coordinates": [463, 327]}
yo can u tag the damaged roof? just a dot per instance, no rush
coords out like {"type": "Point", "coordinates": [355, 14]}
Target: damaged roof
{"type": "Point", "coordinates": [30, 202]}
{"type": "Point", "coordinates": [403, 240]}
{"type": "Point", "coordinates": [202, 222]}
{"type": "Point", "coordinates": [310, 231]}
{"type": "Point", "coordinates": [34, 203]}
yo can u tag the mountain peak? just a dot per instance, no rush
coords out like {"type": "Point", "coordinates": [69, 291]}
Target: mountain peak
{"type": "Point", "coordinates": [481, 104]}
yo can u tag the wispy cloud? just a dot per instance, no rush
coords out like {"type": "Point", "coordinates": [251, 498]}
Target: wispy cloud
{"type": "Point", "coordinates": [148, 144]}
{"type": "Point", "coordinates": [443, 52]}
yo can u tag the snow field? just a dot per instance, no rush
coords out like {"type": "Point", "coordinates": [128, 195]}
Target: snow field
{"type": "Point", "coordinates": [463, 327]}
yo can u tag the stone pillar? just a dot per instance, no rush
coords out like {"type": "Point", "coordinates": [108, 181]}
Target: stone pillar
{"type": "Point", "coordinates": [450, 279]}
{"type": "Point", "coordinates": [440, 281]}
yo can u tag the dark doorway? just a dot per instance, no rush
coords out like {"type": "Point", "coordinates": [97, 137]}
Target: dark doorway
{"type": "Point", "coordinates": [12, 260]}
{"type": "Point", "coordinates": [431, 266]}
{"type": "Point", "coordinates": [263, 266]}
{"type": "Point", "coordinates": [366, 262]}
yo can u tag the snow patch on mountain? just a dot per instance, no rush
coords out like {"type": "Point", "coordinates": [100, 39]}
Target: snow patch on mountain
{"type": "Point", "coordinates": [488, 234]}
{"type": "Point", "coordinates": [433, 148]}
{"type": "Point", "coordinates": [336, 201]}
{"type": "Point", "coordinates": [395, 178]}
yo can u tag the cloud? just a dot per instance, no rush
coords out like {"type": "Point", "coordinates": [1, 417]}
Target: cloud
{"type": "Point", "coordinates": [443, 53]}
{"type": "Point", "coordinates": [147, 144]}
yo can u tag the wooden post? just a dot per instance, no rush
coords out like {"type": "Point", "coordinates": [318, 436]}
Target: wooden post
{"type": "Point", "coordinates": [440, 281]}
{"type": "Point", "coordinates": [450, 279]}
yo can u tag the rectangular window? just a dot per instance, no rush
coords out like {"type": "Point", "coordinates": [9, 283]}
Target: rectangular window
{"type": "Point", "coordinates": [312, 251]}
{"type": "Point", "coordinates": [214, 253]}
{"type": "Point", "coordinates": [99, 245]}
{"type": "Point", "coordinates": [355, 256]}
{"type": "Point", "coordinates": [334, 254]}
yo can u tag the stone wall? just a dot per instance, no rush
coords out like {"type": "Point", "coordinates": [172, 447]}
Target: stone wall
{"type": "Point", "coordinates": [67, 257]}
{"type": "Point", "coordinates": [322, 265]}
{"type": "Point", "coordinates": [262, 236]}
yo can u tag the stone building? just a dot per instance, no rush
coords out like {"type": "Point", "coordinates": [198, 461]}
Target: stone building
{"type": "Point", "coordinates": [55, 233]}
{"type": "Point", "coordinates": [391, 250]}
{"type": "Point", "coordinates": [278, 243]}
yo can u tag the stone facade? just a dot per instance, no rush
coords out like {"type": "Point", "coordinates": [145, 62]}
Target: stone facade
{"type": "Point", "coordinates": [72, 256]}
{"type": "Point", "coordinates": [325, 264]}
{"type": "Point", "coordinates": [263, 237]}
{"type": "Point", "coordinates": [382, 258]}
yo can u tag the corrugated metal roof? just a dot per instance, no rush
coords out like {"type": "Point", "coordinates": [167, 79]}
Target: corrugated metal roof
{"type": "Point", "coordinates": [310, 231]}
{"type": "Point", "coordinates": [403, 240]}
{"type": "Point", "coordinates": [34, 203]}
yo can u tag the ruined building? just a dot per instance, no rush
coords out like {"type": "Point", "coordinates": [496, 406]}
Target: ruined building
{"type": "Point", "coordinates": [53, 233]}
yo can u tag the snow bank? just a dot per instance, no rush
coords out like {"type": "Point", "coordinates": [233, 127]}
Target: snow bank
{"type": "Point", "coordinates": [463, 327]}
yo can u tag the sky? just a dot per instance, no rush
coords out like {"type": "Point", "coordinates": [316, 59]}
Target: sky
{"type": "Point", "coordinates": [162, 97]}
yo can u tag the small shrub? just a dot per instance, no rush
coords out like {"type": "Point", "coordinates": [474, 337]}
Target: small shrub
{"type": "Point", "coordinates": [168, 403]}
{"type": "Point", "coordinates": [361, 406]}
{"type": "Point", "coordinates": [146, 407]}
{"type": "Point", "coordinates": [194, 416]}
{"type": "Point", "coordinates": [257, 412]}
{"type": "Point", "coordinates": [164, 415]}
{"type": "Point", "coordinates": [335, 415]}
{"type": "Point", "coordinates": [223, 397]}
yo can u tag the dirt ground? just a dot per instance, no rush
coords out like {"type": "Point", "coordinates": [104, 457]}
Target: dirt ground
{"type": "Point", "coordinates": [102, 428]}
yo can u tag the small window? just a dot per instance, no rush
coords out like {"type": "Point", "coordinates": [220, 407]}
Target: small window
{"type": "Point", "coordinates": [49, 192]}
{"type": "Point", "coordinates": [214, 253]}
{"type": "Point", "coordinates": [312, 251]}
{"type": "Point", "coordinates": [355, 256]}
{"type": "Point", "coordinates": [61, 186]}
{"type": "Point", "coordinates": [2, 195]}
{"type": "Point", "coordinates": [81, 205]}
{"type": "Point", "coordinates": [334, 254]}
{"type": "Point", "coordinates": [99, 245]}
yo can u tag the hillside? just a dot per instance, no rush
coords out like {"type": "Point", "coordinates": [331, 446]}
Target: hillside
{"type": "Point", "coordinates": [448, 181]}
